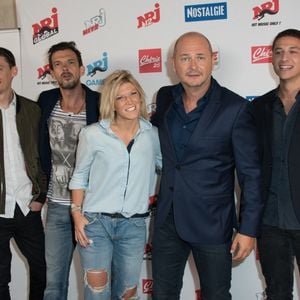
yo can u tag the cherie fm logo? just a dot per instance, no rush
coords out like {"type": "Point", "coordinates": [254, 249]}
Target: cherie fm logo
{"type": "Point", "coordinates": [147, 286]}
{"type": "Point", "coordinates": [150, 60]}
{"type": "Point", "coordinates": [261, 54]}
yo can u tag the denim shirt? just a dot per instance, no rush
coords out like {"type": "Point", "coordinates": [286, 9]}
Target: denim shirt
{"type": "Point", "coordinates": [114, 179]}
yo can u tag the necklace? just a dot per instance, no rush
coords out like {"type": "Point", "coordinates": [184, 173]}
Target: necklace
{"type": "Point", "coordinates": [73, 110]}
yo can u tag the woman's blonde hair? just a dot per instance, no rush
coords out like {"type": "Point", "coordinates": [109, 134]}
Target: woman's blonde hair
{"type": "Point", "coordinates": [109, 92]}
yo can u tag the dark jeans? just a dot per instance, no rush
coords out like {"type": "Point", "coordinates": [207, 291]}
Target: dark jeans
{"type": "Point", "coordinates": [28, 234]}
{"type": "Point", "coordinates": [169, 257]}
{"type": "Point", "coordinates": [277, 249]}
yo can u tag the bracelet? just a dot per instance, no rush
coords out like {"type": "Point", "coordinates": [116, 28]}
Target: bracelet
{"type": "Point", "coordinates": [75, 207]}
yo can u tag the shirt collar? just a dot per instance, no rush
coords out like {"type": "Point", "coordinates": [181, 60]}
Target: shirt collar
{"type": "Point", "coordinates": [178, 91]}
{"type": "Point", "coordinates": [12, 104]}
{"type": "Point", "coordinates": [144, 124]}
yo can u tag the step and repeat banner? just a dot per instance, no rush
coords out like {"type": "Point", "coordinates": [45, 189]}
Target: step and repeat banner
{"type": "Point", "coordinates": [138, 36]}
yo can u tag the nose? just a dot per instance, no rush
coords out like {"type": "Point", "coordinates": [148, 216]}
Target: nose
{"type": "Point", "coordinates": [65, 66]}
{"type": "Point", "coordinates": [193, 63]}
{"type": "Point", "coordinates": [284, 55]}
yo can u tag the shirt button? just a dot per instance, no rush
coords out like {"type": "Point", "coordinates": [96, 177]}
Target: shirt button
{"type": "Point", "coordinates": [171, 188]}
{"type": "Point", "coordinates": [178, 167]}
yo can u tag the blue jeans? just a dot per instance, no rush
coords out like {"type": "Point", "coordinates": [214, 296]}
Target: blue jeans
{"type": "Point", "coordinates": [277, 249]}
{"type": "Point", "coordinates": [169, 257]}
{"type": "Point", "coordinates": [28, 233]}
{"type": "Point", "coordinates": [117, 248]}
{"type": "Point", "coordinates": [60, 244]}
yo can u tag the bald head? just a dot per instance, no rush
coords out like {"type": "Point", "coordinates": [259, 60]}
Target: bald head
{"type": "Point", "coordinates": [196, 36]}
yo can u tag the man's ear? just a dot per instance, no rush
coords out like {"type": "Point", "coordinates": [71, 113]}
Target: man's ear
{"type": "Point", "coordinates": [82, 70]}
{"type": "Point", "coordinates": [14, 71]}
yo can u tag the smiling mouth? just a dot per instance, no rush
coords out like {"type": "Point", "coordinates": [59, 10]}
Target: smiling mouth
{"type": "Point", "coordinates": [130, 109]}
{"type": "Point", "coordinates": [285, 67]}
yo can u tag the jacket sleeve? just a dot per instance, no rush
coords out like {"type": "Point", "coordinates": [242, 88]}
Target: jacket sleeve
{"type": "Point", "coordinates": [248, 168]}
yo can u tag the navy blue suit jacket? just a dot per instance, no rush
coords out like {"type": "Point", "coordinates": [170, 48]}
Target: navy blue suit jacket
{"type": "Point", "coordinates": [47, 100]}
{"type": "Point", "coordinates": [263, 106]}
{"type": "Point", "coordinates": [201, 185]}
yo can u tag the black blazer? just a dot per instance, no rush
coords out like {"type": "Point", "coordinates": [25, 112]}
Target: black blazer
{"type": "Point", "coordinates": [201, 185]}
{"type": "Point", "coordinates": [264, 118]}
{"type": "Point", "coordinates": [47, 100]}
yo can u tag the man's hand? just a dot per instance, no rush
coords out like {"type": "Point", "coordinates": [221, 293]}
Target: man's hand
{"type": "Point", "coordinates": [35, 206]}
{"type": "Point", "coordinates": [242, 246]}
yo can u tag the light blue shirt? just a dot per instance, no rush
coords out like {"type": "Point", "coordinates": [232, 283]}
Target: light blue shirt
{"type": "Point", "coordinates": [114, 180]}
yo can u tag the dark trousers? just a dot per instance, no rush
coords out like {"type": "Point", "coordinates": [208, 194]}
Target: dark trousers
{"type": "Point", "coordinates": [277, 250]}
{"type": "Point", "coordinates": [28, 234]}
{"type": "Point", "coordinates": [169, 257]}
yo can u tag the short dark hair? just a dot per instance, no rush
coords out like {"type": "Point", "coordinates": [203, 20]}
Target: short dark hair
{"type": "Point", "coordinates": [9, 57]}
{"type": "Point", "coordinates": [64, 46]}
{"type": "Point", "coordinates": [288, 32]}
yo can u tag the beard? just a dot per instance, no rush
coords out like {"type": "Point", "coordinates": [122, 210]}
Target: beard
{"type": "Point", "coordinates": [68, 84]}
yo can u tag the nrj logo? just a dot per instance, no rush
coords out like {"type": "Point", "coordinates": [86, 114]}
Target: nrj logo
{"type": "Point", "coordinates": [95, 22]}
{"type": "Point", "coordinates": [99, 65]}
{"type": "Point", "coordinates": [42, 75]}
{"type": "Point", "coordinates": [43, 71]}
{"type": "Point", "coordinates": [269, 7]}
{"type": "Point", "coordinates": [150, 60]}
{"type": "Point", "coordinates": [45, 28]}
{"type": "Point", "coordinates": [149, 17]}
{"type": "Point", "coordinates": [261, 54]}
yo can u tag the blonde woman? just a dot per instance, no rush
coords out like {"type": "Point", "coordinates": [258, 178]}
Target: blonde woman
{"type": "Point", "coordinates": [111, 185]}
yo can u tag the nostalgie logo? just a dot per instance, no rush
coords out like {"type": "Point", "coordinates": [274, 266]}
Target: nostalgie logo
{"type": "Point", "coordinates": [261, 54]}
{"type": "Point", "coordinates": [150, 60]}
{"type": "Point", "coordinates": [266, 8]}
{"type": "Point", "coordinates": [46, 28]}
{"type": "Point", "coordinates": [42, 75]}
{"type": "Point", "coordinates": [98, 66]}
{"type": "Point", "coordinates": [205, 12]}
{"type": "Point", "coordinates": [150, 17]}
{"type": "Point", "coordinates": [147, 286]}
{"type": "Point", "coordinates": [95, 22]}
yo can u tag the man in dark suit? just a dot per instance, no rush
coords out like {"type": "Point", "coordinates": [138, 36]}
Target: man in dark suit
{"type": "Point", "coordinates": [206, 133]}
{"type": "Point", "coordinates": [278, 119]}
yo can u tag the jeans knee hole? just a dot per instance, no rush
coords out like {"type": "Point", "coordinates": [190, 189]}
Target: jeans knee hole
{"type": "Point", "coordinates": [96, 280]}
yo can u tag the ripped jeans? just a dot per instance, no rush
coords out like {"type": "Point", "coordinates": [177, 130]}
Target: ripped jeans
{"type": "Point", "coordinates": [115, 255]}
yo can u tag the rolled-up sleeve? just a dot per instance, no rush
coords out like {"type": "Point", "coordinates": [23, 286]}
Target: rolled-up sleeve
{"type": "Point", "coordinates": [84, 158]}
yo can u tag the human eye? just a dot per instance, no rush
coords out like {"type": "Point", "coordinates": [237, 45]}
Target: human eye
{"type": "Point", "coordinates": [200, 57]}
{"type": "Point", "coordinates": [134, 94]}
{"type": "Point", "coordinates": [56, 64]}
{"type": "Point", "coordinates": [294, 50]}
{"type": "Point", "coordinates": [277, 51]}
{"type": "Point", "coordinates": [184, 58]}
{"type": "Point", "coordinates": [120, 98]}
